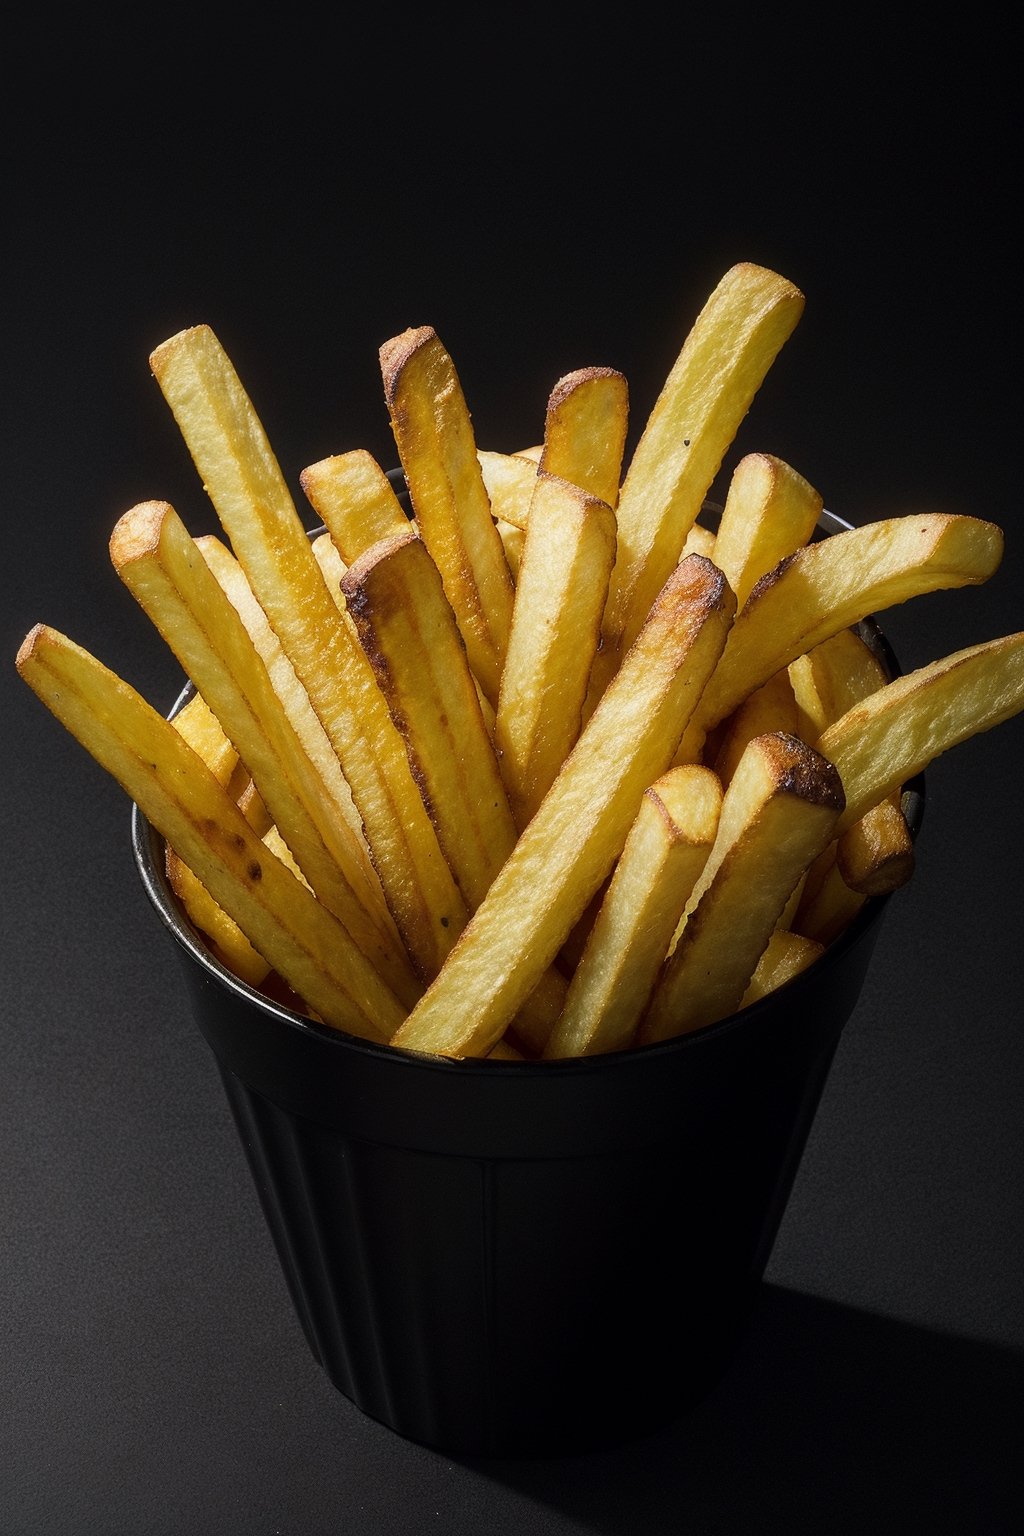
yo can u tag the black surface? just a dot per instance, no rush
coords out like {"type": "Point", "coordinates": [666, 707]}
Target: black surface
{"type": "Point", "coordinates": [154, 1378]}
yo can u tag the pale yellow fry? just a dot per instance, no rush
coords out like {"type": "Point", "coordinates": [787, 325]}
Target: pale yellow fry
{"type": "Point", "coordinates": [158, 561]}
{"type": "Point", "coordinates": [509, 479]}
{"type": "Point", "coordinates": [699, 541]}
{"type": "Point", "coordinates": [396, 597]}
{"type": "Point", "coordinates": [535, 452]}
{"type": "Point", "coordinates": [770, 511]}
{"type": "Point", "coordinates": [180, 797]}
{"type": "Point", "coordinates": [786, 955]}
{"type": "Point", "coordinates": [836, 582]}
{"type": "Point", "coordinates": [664, 853]}
{"type": "Point", "coordinates": [355, 500]}
{"type": "Point", "coordinates": [898, 730]}
{"type": "Point", "coordinates": [778, 813]}
{"type": "Point", "coordinates": [433, 433]}
{"type": "Point", "coordinates": [833, 676]}
{"type": "Point", "coordinates": [204, 733]}
{"type": "Point", "coordinates": [732, 344]}
{"type": "Point", "coordinates": [772, 707]}
{"type": "Point", "coordinates": [332, 566]}
{"type": "Point", "coordinates": [585, 431]}
{"type": "Point", "coordinates": [512, 539]}
{"type": "Point", "coordinates": [567, 559]}
{"type": "Point", "coordinates": [876, 854]}
{"type": "Point", "coordinates": [245, 484]}
{"type": "Point", "coordinates": [571, 844]}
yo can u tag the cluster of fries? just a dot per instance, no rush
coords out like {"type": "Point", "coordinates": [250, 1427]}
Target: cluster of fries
{"type": "Point", "coordinates": [548, 765]}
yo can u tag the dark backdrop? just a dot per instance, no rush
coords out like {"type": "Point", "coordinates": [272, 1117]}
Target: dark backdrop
{"type": "Point", "coordinates": [545, 206]}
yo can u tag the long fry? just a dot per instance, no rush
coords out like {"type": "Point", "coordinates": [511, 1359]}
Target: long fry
{"type": "Point", "coordinates": [355, 500]}
{"type": "Point", "coordinates": [572, 842]}
{"type": "Point", "coordinates": [180, 797]}
{"type": "Point", "coordinates": [585, 427]}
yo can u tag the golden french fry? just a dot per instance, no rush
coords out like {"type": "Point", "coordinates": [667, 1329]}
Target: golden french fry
{"type": "Point", "coordinates": [332, 566]}
{"type": "Point", "coordinates": [699, 541]}
{"type": "Point", "coordinates": [245, 484]}
{"type": "Point", "coordinates": [772, 707]}
{"type": "Point", "coordinates": [898, 730]}
{"type": "Point", "coordinates": [434, 436]}
{"type": "Point", "coordinates": [778, 813]}
{"type": "Point", "coordinates": [770, 511]}
{"type": "Point", "coordinates": [664, 853]}
{"type": "Point", "coordinates": [221, 932]}
{"type": "Point", "coordinates": [180, 797]}
{"type": "Point", "coordinates": [204, 733]}
{"type": "Point", "coordinates": [396, 597]}
{"type": "Point", "coordinates": [785, 956]}
{"type": "Point", "coordinates": [567, 559]}
{"type": "Point", "coordinates": [509, 479]}
{"type": "Point", "coordinates": [157, 559]}
{"type": "Point", "coordinates": [876, 854]}
{"type": "Point", "coordinates": [571, 844]}
{"type": "Point", "coordinates": [829, 585]}
{"type": "Point", "coordinates": [735, 339]}
{"type": "Point", "coordinates": [355, 501]}
{"type": "Point", "coordinates": [585, 431]}
{"type": "Point", "coordinates": [833, 676]}
{"type": "Point", "coordinates": [828, 906]}
{"type": "Point", "coordinates": [512, 539]}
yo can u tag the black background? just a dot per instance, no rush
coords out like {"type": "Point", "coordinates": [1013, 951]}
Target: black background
{"type": "Point", "coordinates": [545, 202]}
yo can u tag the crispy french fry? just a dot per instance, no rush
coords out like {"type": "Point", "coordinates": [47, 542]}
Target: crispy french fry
{"type": "Point", "coordinates": [158, 561]}
{"type": "Point", "coordinates": [778, 813]}
{"type": "Point", "coordinates": [585, 431]}
{"type": "Point", "coordinates": [434, 436]}
{"type": "Point", "coordinates": [245, 484]}
{"type": "Point", "coordinates": [180, 797]}
{"type": "Point", "coordinates": [732, 344]}
{"type": "Point", "coordinates": [664, 853]}
{"type": "Point", "coordinates": [396, 597]}
{"type": "Point", "coordinates": [898, 730]}
{"type": "Point", "coordinates": [567, 559]}
{"type": "Point", "coordinates": [571, 844]}
{"type": "Point", "coordinates": [876, 854]}
{"type": "Point", "coordinates": [770, 511]}
{"type": "Point", "coordinates": [509, 479]}
{"type": "Point", "coordinates": [772, 707]}
{"type": "Point", "coordinates": [785, 956]}
{"type": "Point", "coordinates": [355, 500]}
{"type": "Point", "coordinates": [829, 585]}
{"type": "Point", "coordinates": [699, 541]}
{"type": "Point", "coordinates": [832, 677]}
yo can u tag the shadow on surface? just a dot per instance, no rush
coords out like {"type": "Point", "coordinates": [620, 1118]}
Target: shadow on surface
{"type": "Point", "coordinates": [831, 1421]}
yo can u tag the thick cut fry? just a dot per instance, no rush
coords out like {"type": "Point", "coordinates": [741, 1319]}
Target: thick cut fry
{"type": "Point", "coordinates": [832, 677]}
{"type": "Point", "coordinates": [396, 597]}
{"type": "Point", "coordinates": [664, 853]}
{"type": "Point", "coordinates": [778, 813]}
{"type": "Point", "coordinates": [434, 436]}
{"type": "Point", "coordinates": [901, 728]}
{"type": "Point", "coordinates": [159, 563]}
{"type": "Point", "coordinates": [699, 541]}
{"type": "Point", "coordinates": [204, 733]}
{"type": "Point", "coordinates": [556, 622]}
{"type": "Point", "coordinates": [355, 501]}
{"type": "Point", "coordinates": [585, 431]}
{"type": "Point", "coordinates": [509, 479]}
{"type": "Point", "coordinates": [571, 844]}
{"type": "Point", "coordinates": [770, 511]}
{"type": "Point", "coordinates": [180, 797]}
{"type": "Point", "coordinates": [828, 906]}
{"type": "Point", "coordinates": [772, 707]}
{"type": "Point", "coordinates": [245, 484]}
{"type": "Point", "coordinates": [731, 346]}
{"type": "Point", "coordinates": [785, 956]}
{"type": "Point", "coordinates": [836, 582]}
{"type": "Point", "coordinates": [876, 854]}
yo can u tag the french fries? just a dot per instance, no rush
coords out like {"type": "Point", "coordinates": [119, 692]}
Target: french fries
{"type": "Point", "coordinates": [548, 768]}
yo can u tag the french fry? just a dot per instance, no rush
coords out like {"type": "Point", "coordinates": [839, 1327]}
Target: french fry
{"type": "Point", "coordinates": [772, 707]}
{"type": "Point", "coordinates": [396, 598]}
{"type": "Point", "coordinates": [158, 561]}
{"type": "Point", "coordinates": [778, 812]}
{"type": "Point", "coordinates": [245, 484]}
{"type": "Point", "coordinates": [876, 854]}
{"type": "Point", "coordinates": [898, 730]}
{"type": "Point", "coordinates": [828, 906]}
{"type": "Point", "coordinates": [570, 846]}
{"type": "Point", "coordinates": [204, 733]}
{"type": "Point", "coordinates": [834, 583]}
{"type": "Point", "coordinates": [730, 348]}
{"type": "Point", "coordinates": [568, 554]}
{"type": "Point", "coordinates": [770, 512]}
{"type": "Point", "coordinates": [585, 431]}
{"type": "Point", "coordinates": [434, 437]}
{"type": "Point", "coordinates": [355, 501]}
{"type": "Point", "coordinates": [512, 539]}
{"type": "Point", "coordinates": [180, 797]}
{"type": "Point", "coordinates": [332, 566]}
{"type": "Point", "coordinates": [664, 853]}
{"type": "Point", "coordinates": [699, 541]}
{"type": "Point", "coordinates": [509, 479]}
{"type": "Point", "coordinates": [785, 956]}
